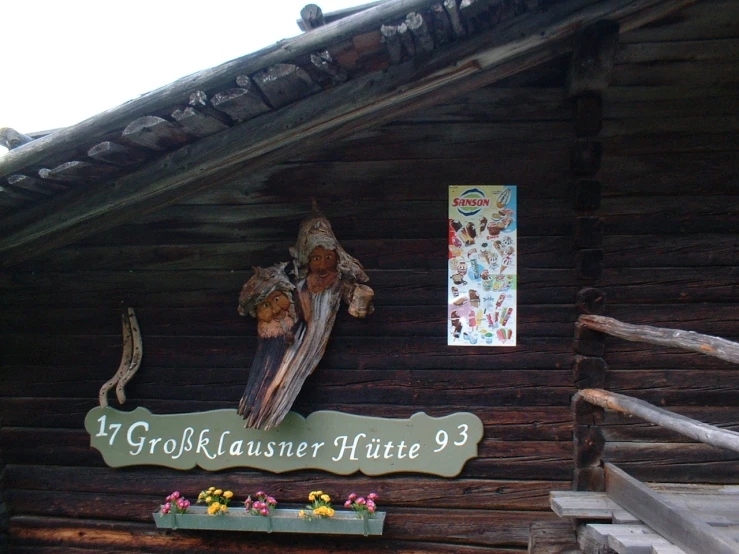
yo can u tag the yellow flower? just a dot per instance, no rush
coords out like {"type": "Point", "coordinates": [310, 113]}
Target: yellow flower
{"type": "Point", "coordinates": [325, 498]}
{"type": "Point", "coordinates": [228, 494]}
{"type": "Point", "coordinates": [301, 513]}
{"type": "Point", "coordinates": [318, 493]}
{"type": "Point", "coordinates": [212, 509]}
{"type": "Point", "coordinates": [330, 512]}
{"type": "Point", "coordinates": [218, 492]}
{"type": "Point", "coordinates": [317, 511]}
{"type": "Point", "coordinates": [208, 499]}
{"type": "Point", "coordinates": [211, 489]}
{"type": "Point", "coordinates": [311, 497]}
{"type": "Point", "coordinates": [224, 508]}
{"type": "Point", "coordinates": [201, 496]}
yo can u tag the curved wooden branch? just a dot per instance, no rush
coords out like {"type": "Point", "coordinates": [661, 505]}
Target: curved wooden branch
{"type": "Point", "coordinates": [125, 360]}
{"type": "Point", "coordinates": [138, 352]}
{"type": "Point", "coordinates": [689, 340]}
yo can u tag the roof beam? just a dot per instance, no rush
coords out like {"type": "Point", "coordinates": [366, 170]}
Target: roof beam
{"type": "Point", "coordinates": [333, 114]}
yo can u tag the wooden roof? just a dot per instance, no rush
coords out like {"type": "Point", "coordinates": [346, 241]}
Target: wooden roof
{"type": "Point", "coordinates": [349, 75]}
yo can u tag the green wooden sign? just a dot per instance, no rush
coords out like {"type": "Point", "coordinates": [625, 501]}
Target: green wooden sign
{"type": "Point", "coordinates": [331, 441]}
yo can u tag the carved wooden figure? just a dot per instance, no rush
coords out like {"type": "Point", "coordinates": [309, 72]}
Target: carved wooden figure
{"type": "Point", "coordinates": [267, 296]}
{"type": "Point", "coordinates": [325, 275]}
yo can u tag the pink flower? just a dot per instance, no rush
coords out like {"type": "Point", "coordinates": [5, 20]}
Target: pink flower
{"type": "Point", "coordinates": [175, 495]}
{"type": "Point", "coordinates": [261, 493]}
{"type": "Point", "coordinates": [348, 504]}
{"type": "Point", "coordinates": [370, 504]}
{"type": "Point", "coordinates": [372, 496]}
{"type": "Point", "coordinates": [352, 496]}
{"type": "Point", "coordinates": [271, 500]}
{"type": "Point", "coordinates": [264, 511]}
{"type": "Point", "coordinates": [166, 507]}
{"type": "Point", "coordinates": [361, 501]}
{"type": "Point", "coordinates": [371, 509]}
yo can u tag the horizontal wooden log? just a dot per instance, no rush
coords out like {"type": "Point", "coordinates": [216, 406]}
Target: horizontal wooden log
{"type": "Point", "coordinates": [394, 490]}
{"type": "Point", "coordinates": [426, 316]}
{"type": "Point", "coordinates": [382, 255]}
{"type": "Point", "coordinates": [690, 340]}
{"type": "Point", "coordinates": [513, 460]}
{"type": "Point", "coordinates": [686, 387]}
{"type": "Point", "coordinates": [408, 180]}
{"type": "Point", "coordinates": [697, 430]}
{"type": "Point", "coordinates": [389, 386]}
{"type": "Point", "coordinates": [676, 463]}
{"type": "Point", "coordinates": [430, 532]}
{"type": "Point", "coordinates": [661, 286]}
{"type": "Point", "coordinates": [510, 423]}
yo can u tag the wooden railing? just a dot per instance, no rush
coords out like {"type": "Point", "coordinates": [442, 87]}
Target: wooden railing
{"type": "Point", "coordinates": [672, 522]}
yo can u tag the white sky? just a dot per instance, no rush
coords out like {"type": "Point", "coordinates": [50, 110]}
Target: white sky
{"type": "Point", "coordinates": [66, 60]}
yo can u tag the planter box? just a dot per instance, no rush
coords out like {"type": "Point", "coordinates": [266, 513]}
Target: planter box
{"type": "Point", "coordinates": [281, 521]}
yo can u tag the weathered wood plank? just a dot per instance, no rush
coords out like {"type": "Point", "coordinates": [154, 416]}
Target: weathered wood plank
{"type": "Point", "coordinates": [678, 526]}
{"type": "Point", "coordinates": [422, 319]}
{"type": "Point", "coordinates": [401, 491]}
{"type": "Point", "coordinates": [201, 288]}
{"type": "Point", "coordinates": [107, 535]}
{"type": "Point", "coordinates": [391, 386]}
{"type": "Point", "coordinates": [686, 463]}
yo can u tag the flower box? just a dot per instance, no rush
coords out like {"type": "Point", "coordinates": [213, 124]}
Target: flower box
{"type": "Point", "coordinates": [281, 521]}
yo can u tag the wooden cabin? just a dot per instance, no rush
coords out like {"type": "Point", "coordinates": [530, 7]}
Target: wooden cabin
{"type": "Point", "coordinates": [617, 122]}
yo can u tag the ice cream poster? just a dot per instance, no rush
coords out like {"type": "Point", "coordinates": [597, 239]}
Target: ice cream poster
{"type": "Point", "coordinates": [483, 250]}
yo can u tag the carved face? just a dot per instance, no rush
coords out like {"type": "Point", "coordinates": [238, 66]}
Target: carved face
{"type": "Point", "coordinates": [322, 269]}
{"type": "Point", "coordinates": [323, 261]}
{"type": "Point", "coordinates": [274, 307]}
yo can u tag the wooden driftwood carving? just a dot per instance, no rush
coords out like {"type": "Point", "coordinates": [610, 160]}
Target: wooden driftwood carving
{"type": "Point", "coordinates": [133, 350]}
{"type": "Point", "coordinates": [267, 296]}
{"type": "Point", "coordinates": [325, 274]}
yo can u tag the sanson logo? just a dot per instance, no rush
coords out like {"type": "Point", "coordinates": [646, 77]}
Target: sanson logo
{"type": "Point", "coordinates": [470, 202]}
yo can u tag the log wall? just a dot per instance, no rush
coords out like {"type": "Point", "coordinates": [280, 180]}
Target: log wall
{"type": "Point", "coordinates": [670, 209]}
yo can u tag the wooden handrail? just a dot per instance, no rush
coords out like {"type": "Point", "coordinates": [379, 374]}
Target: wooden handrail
{"type": "Point", "coordinates": [689, 340]}
{"type": "Point", "coordinates": [692, 428]}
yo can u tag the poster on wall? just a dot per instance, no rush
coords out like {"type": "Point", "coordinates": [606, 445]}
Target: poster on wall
{"type": "Point", "coordinates": [483, 249]}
